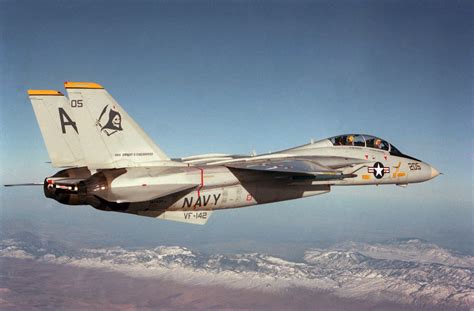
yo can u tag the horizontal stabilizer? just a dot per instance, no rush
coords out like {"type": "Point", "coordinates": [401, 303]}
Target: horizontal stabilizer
{"type": "Point", "coordinates": [25, 184]}
{"type": "Point", "coordinates": [192, 217]}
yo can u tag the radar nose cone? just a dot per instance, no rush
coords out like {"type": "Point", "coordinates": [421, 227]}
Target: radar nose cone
{"type": "Point", "coordinates": [434, 172]}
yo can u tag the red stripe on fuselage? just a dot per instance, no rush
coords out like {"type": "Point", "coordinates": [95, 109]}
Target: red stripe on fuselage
{"type": "Point", "coordinates": [200, 186]}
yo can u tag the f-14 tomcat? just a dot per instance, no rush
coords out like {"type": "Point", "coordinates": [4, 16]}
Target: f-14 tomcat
{"type": "Point", "coordinates": [110, 163]}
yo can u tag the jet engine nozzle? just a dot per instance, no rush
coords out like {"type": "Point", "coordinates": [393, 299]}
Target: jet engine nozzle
{"type": "Point", "coordinates": [64, 185]}
{"type": "Point", "coordinates": [63, 191]}
{"type": "Point", "coordinates": [81, 191]}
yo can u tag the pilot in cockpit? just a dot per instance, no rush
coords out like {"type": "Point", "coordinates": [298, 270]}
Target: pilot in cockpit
{"type": "Point", "coordinates": [350, 140]}
{"type": "Point", "coordinates": [378, 143]}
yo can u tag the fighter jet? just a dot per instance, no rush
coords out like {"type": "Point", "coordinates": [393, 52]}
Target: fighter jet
{"type": "Point", "coordinates": [110, 163]}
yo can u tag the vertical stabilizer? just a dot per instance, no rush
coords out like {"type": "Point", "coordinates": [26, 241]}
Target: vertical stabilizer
{"type": "Point", "coordinates": [109, 136]}
{"type": "Point", "coordinates": [58, 128]}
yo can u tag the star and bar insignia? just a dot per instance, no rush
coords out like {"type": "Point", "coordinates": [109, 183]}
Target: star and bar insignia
{"type": "Point", "coordinates": [378, 170]}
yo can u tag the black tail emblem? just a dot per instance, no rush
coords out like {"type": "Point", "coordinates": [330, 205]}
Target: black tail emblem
{"type": "Point", "coordinates": [114, 122]}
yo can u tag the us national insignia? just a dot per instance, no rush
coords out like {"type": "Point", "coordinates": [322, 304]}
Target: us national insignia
{"type": "Point", "coordinates": [378, 170]}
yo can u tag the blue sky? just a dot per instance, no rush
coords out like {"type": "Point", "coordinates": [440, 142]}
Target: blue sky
{"type": "Point", "coordinates": [208, 76]}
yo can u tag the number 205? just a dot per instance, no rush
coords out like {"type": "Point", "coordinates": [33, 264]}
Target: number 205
{"type": "Point", "coordinates": [414, 166]}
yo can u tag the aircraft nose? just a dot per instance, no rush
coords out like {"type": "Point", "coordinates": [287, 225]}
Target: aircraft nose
{"type": "Point", "coordinates": [434, 172]}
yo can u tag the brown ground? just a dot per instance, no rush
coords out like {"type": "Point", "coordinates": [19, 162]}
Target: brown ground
{"type": "Point", "coordinates": [31, 285]}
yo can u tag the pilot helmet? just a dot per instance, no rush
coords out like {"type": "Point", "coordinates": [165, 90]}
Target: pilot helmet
{"type": "Point", "coordinates": [350, 139]}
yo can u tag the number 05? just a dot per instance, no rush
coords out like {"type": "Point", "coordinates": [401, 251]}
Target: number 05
{"type": "Point", "coordinates": [76, 103]}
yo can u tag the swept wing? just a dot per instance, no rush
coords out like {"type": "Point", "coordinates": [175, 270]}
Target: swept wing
{"type": "Point", "coordinates": [295, 168]}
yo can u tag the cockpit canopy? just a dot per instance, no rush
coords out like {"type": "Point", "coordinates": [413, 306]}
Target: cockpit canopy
{"type": "Point", "coordinates": [363, 141]}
